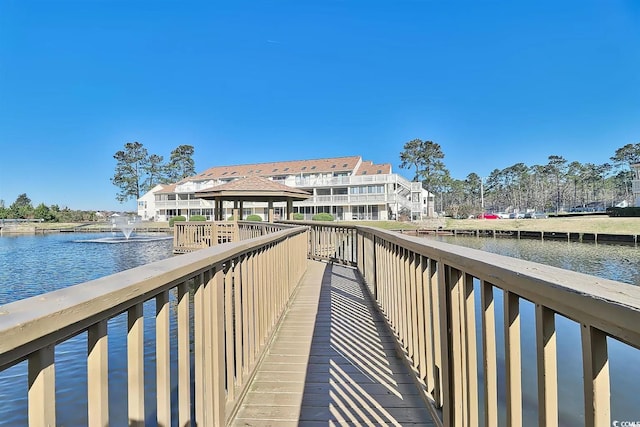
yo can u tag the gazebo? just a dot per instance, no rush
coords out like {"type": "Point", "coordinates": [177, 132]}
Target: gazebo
{"type": "Point", "coordinates": [252, 189]}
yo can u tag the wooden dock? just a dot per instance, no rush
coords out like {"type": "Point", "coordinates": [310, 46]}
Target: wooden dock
{"type": "Point", "coordinates": [631, 239]}
{"type": "Point", "coordinates": [332, 361]}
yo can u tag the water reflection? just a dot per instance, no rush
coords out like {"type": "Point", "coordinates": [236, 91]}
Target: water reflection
{"type": "Point", "coordinates": [614, 262]}
{"type": "Point", "coordinates": [32, 265]}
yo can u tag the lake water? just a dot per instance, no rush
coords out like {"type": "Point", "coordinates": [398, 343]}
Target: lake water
{"type": "Point", "coordinates": [31, 265]}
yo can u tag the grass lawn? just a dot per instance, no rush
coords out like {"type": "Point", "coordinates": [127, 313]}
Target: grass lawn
{"type": "Point", "coordinates": [588, 224]}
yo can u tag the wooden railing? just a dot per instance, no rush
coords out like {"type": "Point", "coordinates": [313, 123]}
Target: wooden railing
{"type": "Point", "coordinates": [191, 236]}
{"type": "Point", "coordinates": [195, 235]}
{"type": "Point", "coordinates": [429, 292]}
{"type": "Point", "coordinates": [224, 302]}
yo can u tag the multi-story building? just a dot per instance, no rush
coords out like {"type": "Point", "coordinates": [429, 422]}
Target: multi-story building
{"type": "Point", "coordinates": [346, 187]}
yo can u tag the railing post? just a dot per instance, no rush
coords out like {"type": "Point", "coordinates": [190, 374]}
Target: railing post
{"type": "Point", "coordinates": [595, 365]}
{"type": "Point", "coordinates": [489, 353]}
{"type": "Point", "coordinates": [184, 355]}
{"type": "Point", "coordinates": [547, 366]}
{"type": "Point", "coordinates": [42, 388]}
{"type": "Point", "coordinates": [98, 375]}
{"type": "Point", "coordinates": [512, 359]}
{"type": "Point", "coordinates": [135, 364]}
{"type": "Point", "coordinates": [444, 303]}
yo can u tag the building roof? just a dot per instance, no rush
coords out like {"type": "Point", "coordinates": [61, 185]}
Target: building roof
{"type": "Point", "coordinates": [369, 168]}
{"type": "Point", "coordinates": [254, 188]}
{"type": "Point", "coordinates": [293, 167]}
{"type": "Point", "coordinates": [167, 188]}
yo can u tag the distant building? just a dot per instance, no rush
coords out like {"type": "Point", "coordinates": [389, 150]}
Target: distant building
{"type": "Point", "coordinates": [346, 187]}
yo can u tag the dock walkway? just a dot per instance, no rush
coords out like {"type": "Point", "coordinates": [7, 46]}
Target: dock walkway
{"type": "Point", "coordinates": [332, 362]}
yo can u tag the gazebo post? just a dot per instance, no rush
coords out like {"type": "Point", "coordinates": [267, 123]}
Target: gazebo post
{"type": "Point", "coordinates": [270, 208]}
{"type": "Point", "coordinates": [218, 208]}
{"type": "Point", "coordinates": [289, 209]}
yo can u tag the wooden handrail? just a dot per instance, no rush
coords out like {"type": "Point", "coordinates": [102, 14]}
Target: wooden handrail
{"type": "Point", "coordinates": [429, 291]}
{"type": "Point", "coordinates": [220, 288]}
{"type": "Point", "coordinates": [440, 300]}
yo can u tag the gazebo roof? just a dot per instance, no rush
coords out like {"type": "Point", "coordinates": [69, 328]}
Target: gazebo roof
{"type": "Point", "coordinates": [253, 188]}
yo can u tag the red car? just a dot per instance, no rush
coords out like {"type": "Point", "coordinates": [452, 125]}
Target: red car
{"type": "Point", "coordinates": [488, 216]}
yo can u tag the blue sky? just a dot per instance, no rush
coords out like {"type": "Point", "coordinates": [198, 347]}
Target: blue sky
{"type": "Point", "coordinates": [493, 82]}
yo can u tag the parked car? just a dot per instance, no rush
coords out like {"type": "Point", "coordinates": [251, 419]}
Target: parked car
{"type": "Point", "coordinates": [503, 215]}
{"type": "Point", "coordinates": [534, 215]}
{"type": "Point", "coordinates": [487, 215]}
{"type": "Point", "coordinates": [515, 215]}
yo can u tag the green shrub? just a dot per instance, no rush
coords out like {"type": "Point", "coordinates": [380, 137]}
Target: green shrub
{"type": "Point", "coordinates": [254, 217]}
{"type": "Point", "coordinates": [297, 216]}
{"type": "Point", "coordinates": [197, 218]}
{"type": "Point", "coordinates": [231, 218]}
{"type": "Point", "coordinates": [323, 216]}
{"type": "Point", "coordinates": [176, 218]}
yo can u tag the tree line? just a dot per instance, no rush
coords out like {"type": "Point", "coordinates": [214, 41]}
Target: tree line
{"type": "Point", "coordinates": [557, 186]}
{"type": "Point", "coordinates": [137, 171]}
{"type": "Point", "coordinates": [22, 208]}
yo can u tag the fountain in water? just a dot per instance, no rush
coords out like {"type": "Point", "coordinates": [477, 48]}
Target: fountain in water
{"type": "Point", "coordinates": [126, 224]}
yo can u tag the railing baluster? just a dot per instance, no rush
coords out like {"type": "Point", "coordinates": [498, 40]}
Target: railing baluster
{"type": "Point", "coordinates": [470, 353]}
{"type": "Point", "coordinates": [489, 354]}
{"type": "Point", "coordinates": [184, 355]}
{"type": "Point", "coordinates": [135, 364]}
{"type": "Point", "coordinates": [238, 320]}
{"type": "Point", "coordinates": [457, 349]}
{"type": "Point", "coordinates": [98, 375]}
{"type": "Point", "coordinates": [403, 275]}
{"type": "Point", "coordinates": [42, 387]}
{"type": "Point", "coordinates": [444, 304]}
{"type": "Point", "coordinates": [202, 345]}
{"type": "Point", "coordinates": [513, 368]}
{"type": "Point", "coordinates": [218, 349]}
{"type": "Point", "coordinates": [253, 306]}
{"type": "Point", "coordinates": [436, 313]}
{"type": "Point", "coordinates": [414, 324]}
{"type": "Point", "coordinates": [163, 360]}
{"type": "Point", "coordinates": [424, 333]}
{"type": "Point", "coordinates": [246, 314]}
{"type": "Point", "coordinates": [229, 330]}
{"type": "Point", "coordinates": [595, 364]}
{"type": "Point", "coordinates": [547, 367]}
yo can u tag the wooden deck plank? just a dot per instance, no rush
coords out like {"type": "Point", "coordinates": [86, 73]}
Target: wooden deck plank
{"type": "Point", "coordinates": [332, 362]}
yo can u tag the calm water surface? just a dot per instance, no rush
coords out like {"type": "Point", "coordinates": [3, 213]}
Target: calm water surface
{"type": "Point", "coordinates": [31, 265]}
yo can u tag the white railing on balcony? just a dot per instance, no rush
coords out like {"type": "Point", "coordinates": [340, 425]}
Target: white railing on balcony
{"type": "Point", "coordinates": [183, 204]}
{"type": "Point", "coordinates": [322, 181]}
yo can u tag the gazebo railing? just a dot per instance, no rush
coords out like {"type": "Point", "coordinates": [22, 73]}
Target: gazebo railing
{"type": "Point", "coordinates": [194, 235]}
